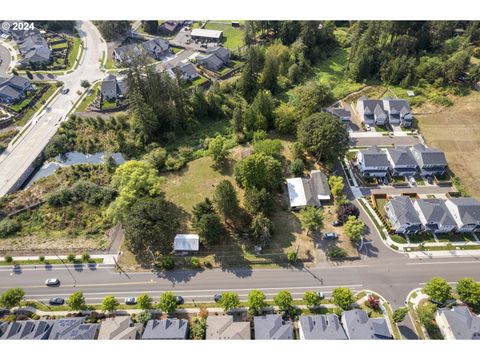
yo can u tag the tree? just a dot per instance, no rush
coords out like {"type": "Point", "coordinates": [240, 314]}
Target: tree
{"type": "Point", "coordinates": [311, 219]}
{"type": "Point", "coordinates": [336, 185]}
{"type": "Point", "coordinates": [76, 301]}
{"type": "Point", "coordinates": [11, 298]}
{"type": "Point", "coordinates": [260, 171]}
{"type": "Point", "coordinates": [342, 297]}
{"type": "Point", "coordinates": [86, 257]}
{"type": "Point", "coordinates": [262, 229]}
{"type": "Point", "coordinates": [150, 26]}
{"type": "Point", "coordinates": [218, 149]}
{"type": "Point", "coordinates": [311, 299]}
{"type": "Point", "coordinates": [311, 98]}
{"type": "Point", "coordinates": [145, 301]}
{"type": "Point", "coordinates": [285, 119]}
{"type": "Point", "coordinates": [438, 289]}
{"type": "Point", "coordinates": [284, 300]}
{"type": "Point", "coordinates": [269, 147]}
{"type": "Point", "coordinates": [373, 301]}
{"type": "Point", "coordinates": [324, 136]}
{"type": "Point", "coordinates": [85, 84]}
{"type": "Point", "coordinates": [144, 317]}
{"type": "Point", "coordinates": [426, 314]}
{"type": "Point", "coordinates": [150, 226]}
{"type": "Point", "coordinates": [258, 201]}
{"type": "Point", "coordinates": [264, 105]}
{"type": "Point", "coordinates": [399, 314]}
{"type": "Point", "coordinates": [256, 302]}
{"type": "Point", "coordinates": [354, 228]}
{"type": "Point", "coordinates": [110, 303]}
{"type": "Point", "coordinates": [71, 258]}
{"type": "Point", "coordinates": [225, 200]}
{"type": "Point", "coordinates": [156, 158]}
{"type": "Point", "coordinates": [346, 210]}
{"type": "Point", "coordinates": [9, 227]}
{"type": "Point", "coordinates": [248, 83]}
{"type": "Point", "coordinates": [270, 73]}
{"type": "Point", "coordinates": [206, 222]}
{"type": "Point", "coordinates": [198, 328]}
{"type": "Point", "coordinates": [469, 291]}
{"type": "Point", "coordinates": [229, 301]}
{"type": "Point", "coordinates": [110, 29]}
{"type": "Point", "coordinates": [297, 167]}
{"type": "Point", "coordinates": [167, 302]}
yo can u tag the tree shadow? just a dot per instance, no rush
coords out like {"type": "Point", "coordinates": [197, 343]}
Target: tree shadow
{"type": "Point", "coordinates": [177, 276]}
{"type": "Point", "coordinates": [407, 333]}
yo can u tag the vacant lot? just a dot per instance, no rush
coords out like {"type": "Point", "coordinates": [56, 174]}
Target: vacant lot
{"type": "Point", "coordinates": [456, 130]}
{"type": "Point", "coordinates": [233, 36]}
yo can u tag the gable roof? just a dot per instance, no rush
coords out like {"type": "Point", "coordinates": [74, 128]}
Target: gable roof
{"type": "Point", "coordinates": [308, 191]}
{"type": "Point", "coordinates": [435, 211]}
{"type": "Point", "coordinates": [468, 209]}
{"type": "Point", "coordinates": [155, 45]}
{"type": "Point", "coordinates": [370, 106]}
{"type": "Point", "coordinates": [428, 156]}
{"type": "Point", "coordinates": [168, 329]}
{"type": "Point", "coordinates": [23, 330]}
{"type": "Point", "coordinates": [463, 324]}
{"type": "Point", "coordinates": [118, 328]}
{"type": "Point", "coordinates": [401, 156]}
{"type": "Point", "coordinates": [211, 60]}
{"type": "Point", "coordinates": [72, 329]}
{"type": "Point", "coordinates": [223, 327]}
{"type": "Point", "coordinates": [322, 327]}
{"type": "Point", "coordinates": [339, 112]}
{"type": "Point", "coordinates": [319, 185]}
{"type": "Point", "coordinates": [359, 326]}
{"type": "Point", "coordinates": [222, 53]}
{"type": "Point", "coordinates": [374, 157]}
{"type": "Point", "coordinates": [213, 34]}
{"type": "Point", "coordinates": [272, 327]}
{"type": "Point", "coordinates": [397, 106]}
{"type": "Point", "coordinates": [403, 209]}
{"type": "Point", "coordinates": [187, 69]}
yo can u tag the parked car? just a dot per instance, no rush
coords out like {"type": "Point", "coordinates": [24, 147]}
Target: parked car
{"type": "Point", "coordinates": [330, 236]}
{"type": "Point", "coordinates": [337, 223]}
{"type": "Point", "coordinates": [52, 282]}
{"type": "Point", "coordinates": [430, 180]}
{"type": "Point", "coordinates": [56, 301]}
{"type": "Point", "coordinates": [65, 91]}
{"type": "Point", "coordinates": [179, 300]}
{"type": "Point", "coordinates": [412, 181]}
{"type": "Point", "coordinates": [130, 300]}
{"type": "Point", "coordinates": [321, 295]}
{"type": "Point", "coordinates": [217, 297]}
{"type": "Point", "coordinates": [367, 127]}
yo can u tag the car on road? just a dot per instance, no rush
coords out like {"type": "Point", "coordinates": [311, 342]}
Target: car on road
{"type": "Point", "coordinates": [217, 297]}
{"type": "Point", "coordinates": [65, 91]}
{"type": "Point", "coordinates": [179, 300]}
{"type": "Point", "coordinates": [330, 236]}
{"type": "Point", "coordinates": [337, 223]}
{"type": "Point", "coordinates": [130, 300]}
{"type": "Point", "coordinates": [367, 127]}
{"type": "Point", "coordinates": [56, 301]}
{"type": "Point", "coordinates": [52, 282]}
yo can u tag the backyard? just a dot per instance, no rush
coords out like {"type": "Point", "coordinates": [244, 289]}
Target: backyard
{"type": "Point", "coordinates": [233, 36]}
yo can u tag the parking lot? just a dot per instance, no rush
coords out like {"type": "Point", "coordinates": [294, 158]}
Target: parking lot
{"type": "Point", "coordinates": [183, 40]}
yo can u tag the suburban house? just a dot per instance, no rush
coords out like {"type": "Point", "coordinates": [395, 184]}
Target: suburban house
{"type": "Point", "coordinates": [342, 114]}
{"type": "Point", "coordinates": [206, 35]}
{"type": "Point", "coordinates": [14, 88]}
{"type": "Point", "coordinates": [403, 216]}
{"type": "Point", "coordinates": [430, 161]}
{"type": "Point", "coordinates": [169, 329]}
{"type": "Point", "coordinates": [466, 212]}
{"type": "Point", "coordinates": [126, 53]}
{"type": "Point", "coordinates": [434, 215]}
{"type": "Point", "coordinates": [321, 327]}
{"type": "Point", "coordinates": [371, 112]}
{"type": "Point", "coordinates": [169, 27]}
{"type": "Point", "coordinates": [156, 48]}
{"type": "Point", "coordinates": [72, 329]}
{"type": "Point", "coordinates": [308, 191]}
{"type": "Point", "coordinates": [223, 327]}
{"type": "Point", "coordinates": [186, 71]}
{"type": "Point", "coordinates": [399, 112]}
{"type": "Point", "coordinates": [119, 328]}
{"type": "Point", "coordinates": [26, 330]}
{"type": "Point", "coordinates": [402, 162]}
{"type": "Point", "coordinates": [35, 50]}
{"type": "Point", "coordinates": [112, 88]}
{"type": "Point", "coordinates": [186, 243]}
{"type": "Point", "coordinates": [215, 59]}
{"type": "Point", "coordinates": [458, 323]}
{"type": "Point", "coordinates": [373, 162]}
{"type": "Point", "coordinates": [272, 327]}
{"type": "Point", "coordinates": [358, 326]}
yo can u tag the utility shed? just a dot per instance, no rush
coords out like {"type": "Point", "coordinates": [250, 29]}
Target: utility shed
{"type": "Point", "coordinates": [186, 242]}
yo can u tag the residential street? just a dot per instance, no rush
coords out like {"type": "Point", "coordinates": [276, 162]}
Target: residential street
{"type": "Point", "coordinates": [370, 140]}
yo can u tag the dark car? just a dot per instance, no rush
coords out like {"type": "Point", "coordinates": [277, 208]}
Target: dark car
{"type": "Point", "coordinates": [4, 311]}
{"type": "Point", "coordinates": [65, 91]}
{"type": "Point", "coordinates": [430, 180]}
{"type": "Point", "coordinates": [330, 236]}
{"type": "Point", "coordinates": [56, 301]}
{"type": "Point", "coordinates": [179, 300]}
{"type": "Point", "coordinates": [217, 297]}
{"type": "Point", "coordinates": [337, 223]}
{"type": "Point", "coordinates": [321, 295]}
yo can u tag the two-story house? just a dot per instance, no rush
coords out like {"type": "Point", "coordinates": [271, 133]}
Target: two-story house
{"type": "Point", "coordinates": [434, 215]}
{"type": "Point", "coordinates": [372, 112]}
{"type": "Point", "coordinates": [401, 162]}
{"type": "Point", "coordinates": [403, 216]}
{"type": "Point", "coordinates": [430, 161]}
{"type": "Point", "coordinates": [156, 48]}
{"type": "Point", "coordinates": [373, 162]}
{"type": "Point", "coordinates": [399, 112]}
{"type": "Point", "coordinates": [466, 212]}
{"type": "Point", "coordinates": [14, 88]}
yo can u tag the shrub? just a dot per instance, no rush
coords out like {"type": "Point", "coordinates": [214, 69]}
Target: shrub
{"type": "Point", "coordinates": [292, 256]}
{"type": "Point", "coordinates": [336, 252]}
{"type": "Point", "coordinates": [195, 262]}
{"type": "Point", "coordinates": [86, 257]}
{"type": "Point", "coordinates": [373, 302]}
{"type": "Point", "coordinates": [8, 259]}
{"type": "Point", "coordinates": [399, 314]}
{"type": "Point", "coordinates": [9, 227]}
{"type": "Point", "coordinates": [297, 167]}
{"type": "Point", "coordinates": [41, 258]}
{"type": "Point", "coordinates": [198, 328]}
{"type": "Point", "coordinates": [144, 316]}
{"type": "Point", "coordinates": [167, 263]}
{"type": "Point", "coordinates": [71, 258]}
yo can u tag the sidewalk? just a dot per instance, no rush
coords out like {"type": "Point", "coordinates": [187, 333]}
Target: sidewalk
{"type": "Point", "coordinates": [108, 259]}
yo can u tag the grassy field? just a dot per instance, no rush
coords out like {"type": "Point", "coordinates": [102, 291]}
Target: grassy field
{"type": "Point", "coordinates": [73, 53]}
{"type": "Point", "coordinates": [29, 113]}
{"type": "Point", "coordinates": [88, 99]}
{"type": "Point", "coordinates": [456, 130]}
{"type": "Point", "coordinates": [233, 37]}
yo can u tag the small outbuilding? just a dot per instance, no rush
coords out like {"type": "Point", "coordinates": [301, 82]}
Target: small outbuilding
{"type": "Point", "coordinates": [186, 243]}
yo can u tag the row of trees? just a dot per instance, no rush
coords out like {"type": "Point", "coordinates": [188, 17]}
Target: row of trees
{"type": "Point", "coordinates": [440, 291]}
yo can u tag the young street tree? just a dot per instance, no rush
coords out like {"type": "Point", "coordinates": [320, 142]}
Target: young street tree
{"type": "Point", "coordinates": [342, 297]}
{"type": "Point", "coordinates": [76, 301]}
{"type": "Point", "coordinates": [109, 303]}
{"type": "Point", "coordinates": [284, 300]}
{"type": "Point", "coordinates": [144, 301]}
{"type": "Point", "coordinates": [469, 291]}
{"type": "Point", "coordinates": [11, 298]}
{"type": "Point", "coordinates": [311, 299]}
{"type": "Point", "coordinates": [336, 185]}
{"type": "Point", "coordinates": [256, 302]}
{"type": "Point", "coordinates": [354, 228]}
{"type": "Point", "coordinates": [438, 289]}
{"type": "Point", "coordinates": [311, 219]}
{"type": "Point", "coordinates": [225, 200]}
{"type": "Point", "coordinates": [229, 301]}
{"type": "Point", "coordinates": [168, 303]}
{"type": "Point", "coordinates": [324, 136]}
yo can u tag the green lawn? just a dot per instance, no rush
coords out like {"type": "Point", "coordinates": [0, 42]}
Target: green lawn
{"type": "Point", "coordinates": [107, 105]}
{"type": "Point", "coordinates": [19, 106]}
{"type": "Point", "coordinates": [232, 37]}
{"type": "Point", "coordinates": [88, 99]}
{"type": "Point", "coordinates": [75, 43]}
{"type": "Point", "coordinates": [110, 64]}
{"type": "Point", "coordinates": [199, 81]}
{"type": "Point", "coordinates": [62, 45]}
{"type": "Point", "coordinates": [175, 49]}
{"type": "Point", "coordinates": [29, 113]}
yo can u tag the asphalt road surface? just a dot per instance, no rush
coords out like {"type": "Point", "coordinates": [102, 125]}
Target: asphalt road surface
{"type": "Point", "coordinates": [384, 140]}
{"type": "Point", "coordinates": [4, 60]}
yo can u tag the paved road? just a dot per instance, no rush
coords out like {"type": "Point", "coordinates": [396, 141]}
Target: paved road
{"type": "Point", "coordinates": [384, 140]}
{"type": "Point", "coordinates": [5, 59]}
{"type": "Point", "coordinates": [17, 158]}
{"type": "Point", "coordinates": [421, 190]}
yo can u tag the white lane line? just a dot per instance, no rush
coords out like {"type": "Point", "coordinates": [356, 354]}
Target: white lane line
{"type": "Point", "coordinates": [443, 262]}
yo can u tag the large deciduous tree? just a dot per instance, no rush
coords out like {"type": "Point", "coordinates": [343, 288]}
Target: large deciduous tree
{"type": "Point", "coordinates": [311, 219]}
{"type": "Point", "coordinates": [342, 297]}
{"type": "Point", "coordinates": [438, 289]}
{"type": "Point", "coordinates": [260, 171]}
{"type": "Point", "coordinates": [354, 228]}
{"type": "Point", "coordinates": [469, 291]}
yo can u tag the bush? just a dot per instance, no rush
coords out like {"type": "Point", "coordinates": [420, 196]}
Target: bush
{"type": "Point", "coordinates": [144, 316]}
{"type": "Point", "coordinates": [198, 329]}
{"type": "Point", "coordinates": [8, 259]}
{"type": "Point", "coordinates": [167, 263]}
{"type": "Point", "coordinates": [41, 258]}
{"type": "Point", "coordinates": [71, 258]}
{"type": "Point", "coordinates": [336, 252]}
{"type": "Point", "coordinates": [373, 302]}
{"type": "Point", "coordinates": [195, 263]}
{"type": "Point", "coordinates": [86, 257]}
{"type": "Point", "coordinates": [297, 167]}
{"type": "Point", "coordinates": [399, 314]}
{"type": "Point", "coordinates": [292, 256]}
{"type": "Point", "coordinates": [9, 227]}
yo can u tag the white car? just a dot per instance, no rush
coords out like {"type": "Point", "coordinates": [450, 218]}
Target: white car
{"type": "Point", "coordinates": [367, 127]}
{"type": "Point", "coordinates": [52, 282]}
{"type": "Point", "coordinates": [412, 181]}
{"type": "Point", "coordinates": [130, 300]}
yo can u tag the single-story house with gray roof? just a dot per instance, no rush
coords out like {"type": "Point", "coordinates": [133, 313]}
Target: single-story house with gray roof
{"type": "Point", "coordinates": [308, 191]}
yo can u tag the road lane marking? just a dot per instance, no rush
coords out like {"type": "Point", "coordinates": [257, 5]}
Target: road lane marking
{"type": "Point", "coordinates": [450, 282]}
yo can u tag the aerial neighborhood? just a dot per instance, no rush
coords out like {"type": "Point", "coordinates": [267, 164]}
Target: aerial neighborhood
{"type": "Point", "coordinates": [239, 180]}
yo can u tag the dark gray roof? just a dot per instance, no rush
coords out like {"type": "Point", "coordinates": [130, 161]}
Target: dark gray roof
{"type": "Point", "coordinates": [170, 26]}
{"type": "Point", "coordinates": [401, 156]}
{"type": "Point", "coordinates": [27, 330]}
{"type": "Point", "coordinates": [72, 329]}
{"type": "Point", "coordinates": [13, 86]}
{"type": "Point", "coordinates": [374, 157]}
{"type": "Point", "coordinates": [319, 183]}
{"type": "Point", "coordinates": [187, 69]}
{"type": "Point", "coordinates": [272, 327]}
{"type": "Point", "coordinates": [110, 84]}
{"type": "Point", "coordinates": [468, 209]}
{"type": "Point", "coordinates": [435, 211]}
{"type": "Point", "coordinates": [370, 106]}
{"type": "Point", "coordinates": [155, 45]}
{"type": "Point", "coordinates": [403, 209]}
{"type": "Point", "coordinates": [222, 53]}
{"type": "Point", "coordinates": [322, 327]}
{"type": "Point", "coordinates": [464, 325]}
{"type": "Point", "coordinates": [126, 51]}
{"type": "Point", "coordinates": [428, 156]}
{"type": "Point", "coordinates": [359, 326]}
{"type": "Point", "coordinates": [339, 112]}
{"type": "Point", "coordinates": [398, 106]}
{"type": "Point", "coordinates": [211, 61]}
{"type": "Point", "coordinates": [169, 329]}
